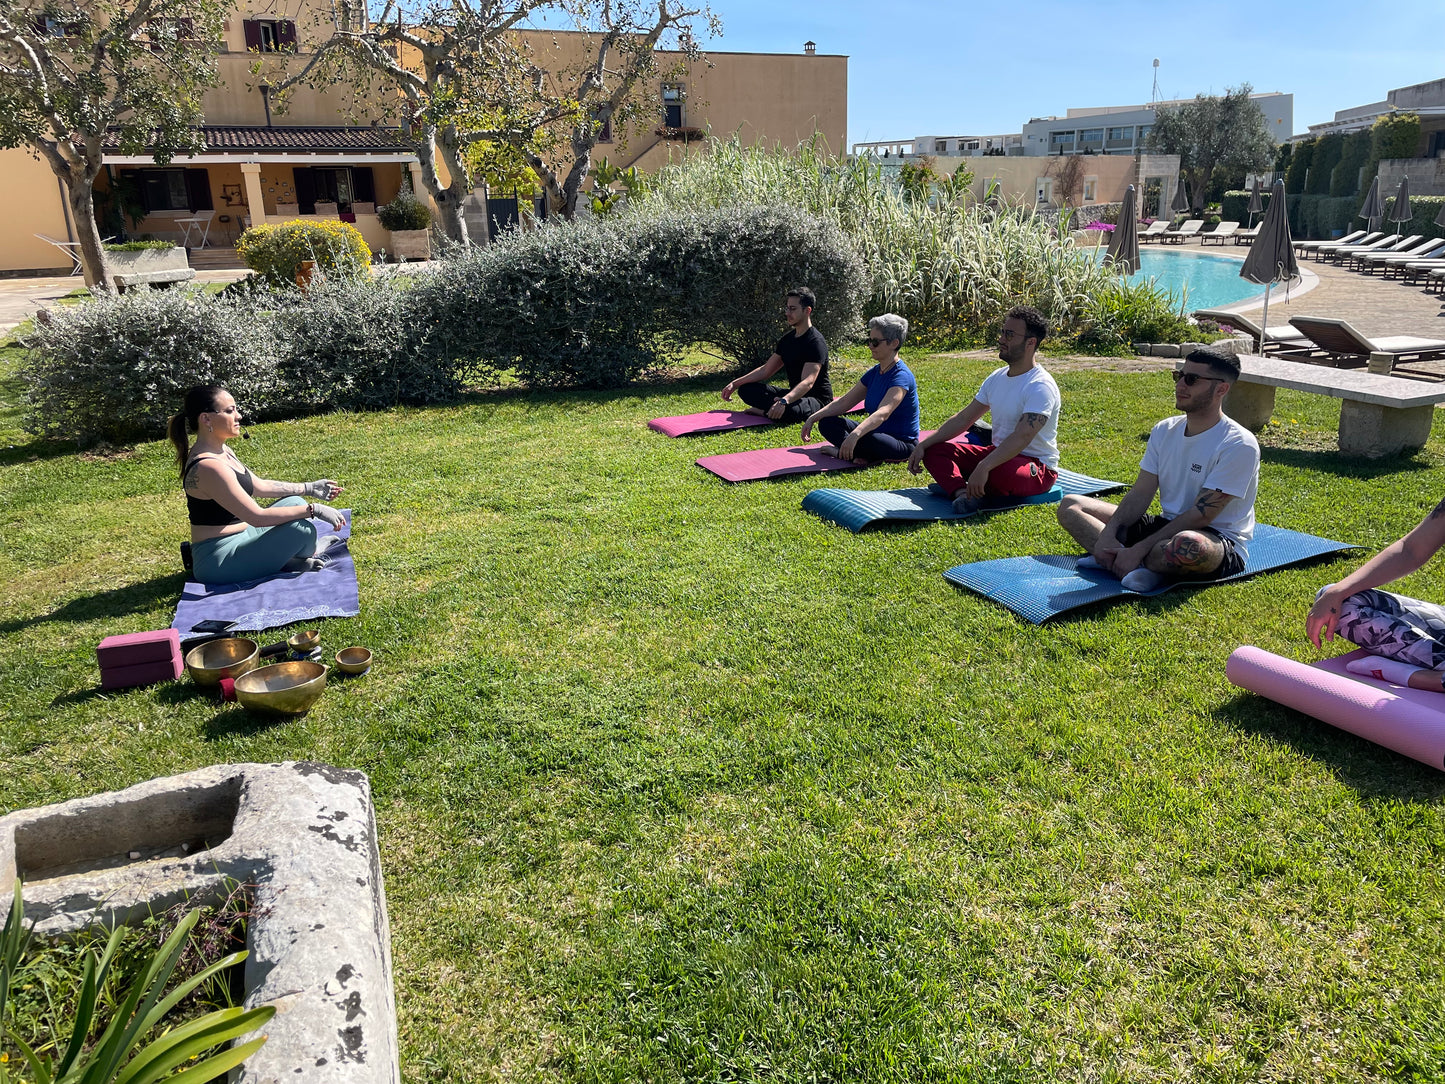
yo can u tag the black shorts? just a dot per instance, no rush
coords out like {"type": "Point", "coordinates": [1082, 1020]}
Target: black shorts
{"type": "Point", "coordinates": [1232, 565]}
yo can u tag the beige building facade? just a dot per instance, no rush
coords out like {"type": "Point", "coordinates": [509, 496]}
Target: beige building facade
{"type": "Point", "coordinates": [331, 153]}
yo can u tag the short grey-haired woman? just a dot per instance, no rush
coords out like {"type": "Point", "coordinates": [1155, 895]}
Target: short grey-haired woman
{"type": "Point", "coordinates": [889, 394]}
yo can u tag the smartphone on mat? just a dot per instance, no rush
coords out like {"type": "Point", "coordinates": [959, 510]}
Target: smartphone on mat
{"type": "Point", "coordinates": [212, 624]}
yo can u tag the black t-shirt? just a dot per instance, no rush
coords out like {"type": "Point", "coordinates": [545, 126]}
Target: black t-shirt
{"type": "Point", "coordinates": [805, 349]}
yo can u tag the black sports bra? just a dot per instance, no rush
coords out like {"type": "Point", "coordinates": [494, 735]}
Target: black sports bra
{"type": "Point", "coordinates": [208, 513]}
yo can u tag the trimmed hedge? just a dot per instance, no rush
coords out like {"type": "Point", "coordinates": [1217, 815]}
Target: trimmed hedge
{"type": "Point", "coordinates": [277, 251]}
{"type": "Point", "coordinates": [1310, 217]}
{"type": "Point", "coordinates": [600, 302]}
{"type": "Point", "coordinates": [1424, 210]}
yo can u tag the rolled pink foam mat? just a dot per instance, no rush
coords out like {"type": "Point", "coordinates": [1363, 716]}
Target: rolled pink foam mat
{"type": "Point", "coordinates": [1409, 721]}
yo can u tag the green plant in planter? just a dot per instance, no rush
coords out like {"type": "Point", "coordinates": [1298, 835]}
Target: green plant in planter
{"type": "Point", "coordinates": [138, 246]}
{"type": "Point", "coordinates": [406, 212]}
{"type": "Point", "coordinates": [122, 1054]}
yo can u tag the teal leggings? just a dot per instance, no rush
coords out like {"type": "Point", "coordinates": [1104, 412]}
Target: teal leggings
{"type": "Point", "coordinates": [256, 551]}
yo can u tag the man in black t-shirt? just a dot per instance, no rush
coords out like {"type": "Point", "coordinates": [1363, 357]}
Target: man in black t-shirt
{"type": "Point", "coordinates": [803, 355]}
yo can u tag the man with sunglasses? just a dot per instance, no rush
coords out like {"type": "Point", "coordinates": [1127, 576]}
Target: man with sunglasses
{"type": "Point", "coordinates": [802, 354]}
{"type": "Point", "coordinates": [1205, 468]}
{"type": "Point", "coordinates": [1023, 403]}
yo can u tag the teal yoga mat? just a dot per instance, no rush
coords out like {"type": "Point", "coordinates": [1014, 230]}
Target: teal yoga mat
{"type": "Point", "coordinates": [858, 508]}
{"type": "Point", "coordinates": [1041, 588]}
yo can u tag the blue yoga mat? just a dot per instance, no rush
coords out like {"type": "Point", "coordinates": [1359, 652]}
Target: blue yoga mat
{"type": "Point", "coordinates": [858, 508]}
{"type": "Point", "coordinates": [1040, 588]}
{"type": "Point", "coordinates": [283, 599]}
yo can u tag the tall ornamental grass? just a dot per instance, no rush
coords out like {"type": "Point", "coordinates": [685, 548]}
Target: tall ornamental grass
{"type": "Point", "coordinates": [952, 268]}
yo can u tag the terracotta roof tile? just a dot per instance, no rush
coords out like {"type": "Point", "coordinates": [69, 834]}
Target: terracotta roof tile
{"type": "Point", "coordinates": [243, 139]}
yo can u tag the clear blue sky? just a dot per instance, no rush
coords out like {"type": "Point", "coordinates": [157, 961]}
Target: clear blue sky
{"type": "Point", "coordinates": [927, 67]}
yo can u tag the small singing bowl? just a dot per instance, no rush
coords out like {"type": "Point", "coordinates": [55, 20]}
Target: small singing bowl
{"type": "Point", "coordinates": [228, 658]}
{"type": "Point", "coordinates": [283, 688]}
{"type": "Point", "coordinates": [353, 660]}
{"type": "Point", "coordinates": [304, 640]}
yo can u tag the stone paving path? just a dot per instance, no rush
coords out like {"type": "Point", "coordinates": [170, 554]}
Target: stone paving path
{"type": "Point", "coordinates": [21, 298]}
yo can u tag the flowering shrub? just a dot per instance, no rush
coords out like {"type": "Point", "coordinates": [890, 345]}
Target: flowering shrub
{"type": "Point", "coordinates": [277, 251]}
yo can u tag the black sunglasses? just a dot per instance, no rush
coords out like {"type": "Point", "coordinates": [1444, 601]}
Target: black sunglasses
{"type": "Point", "coordinates": [877, 342]}
{"type": "Point", "coordinates": [1190, 379]}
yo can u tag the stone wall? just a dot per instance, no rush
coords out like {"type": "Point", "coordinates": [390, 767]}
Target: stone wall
{"type": "Point", "coordinates": [1427, 175]}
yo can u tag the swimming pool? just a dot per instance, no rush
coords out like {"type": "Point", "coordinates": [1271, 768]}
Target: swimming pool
{"type": "Point", "coordinates": [1206, 280]}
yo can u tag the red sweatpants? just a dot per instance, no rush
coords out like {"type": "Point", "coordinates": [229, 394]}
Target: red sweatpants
{"type": "Point", "coordinates": [952, 462]}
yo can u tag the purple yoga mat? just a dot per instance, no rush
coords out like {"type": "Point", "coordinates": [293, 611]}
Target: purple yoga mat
{"type": "Point", "coordinates": [283, 599]}
{"type": "Point", "coordinates": [776, 462]}
{"type": "Point", "coordinates": [1409, 721]}
{"type": "Point", "coordinates": [709, 421]}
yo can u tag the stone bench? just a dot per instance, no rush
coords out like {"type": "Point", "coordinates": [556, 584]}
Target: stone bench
{"type": "Point", "coordinates": [1379, 415]}
{"type": "Point", "coordinates": [169, 277]}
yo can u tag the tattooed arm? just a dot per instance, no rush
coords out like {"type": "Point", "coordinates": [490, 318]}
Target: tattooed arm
{"type": "Point", "coordinates": [1399, 558]}
{"type": "Point", "coordinates": [1013, 444]}
{"type": "Point", "coordinates": [1207, 505]}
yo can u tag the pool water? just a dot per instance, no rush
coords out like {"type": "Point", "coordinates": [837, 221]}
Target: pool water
{"type": "Point", "coordinates": [1208, 281]}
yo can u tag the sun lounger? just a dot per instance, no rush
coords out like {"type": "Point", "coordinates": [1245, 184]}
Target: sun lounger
{"type": "Point", "coordinates": [1391, 263]}
{"type": "Point", "coordinates": [1277, 340]}
{"type": "Point", "coordinates": [1305, 248]}
{"type": "Point", "coordinates": [1246, 237]}
{"type": "Point", "coordinates": [1420, 270]}
{"type": "Point", "coordinates": [1436, 282]}
{"type": "Point", "coordinates": [1355, 261]}
{"type": "Point", "coordinates": [1339, 253]}
{"type": "Point", "coordinates": [1219, 233]}
{"type": "Point", "coordinates": [1341, 341]}
{"type": "Point", "coordinates": [1155, 231]}
{"type": "Point", "coordinates": [1184, 232]}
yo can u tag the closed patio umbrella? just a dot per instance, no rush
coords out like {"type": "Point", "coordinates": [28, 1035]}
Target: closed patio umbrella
{"type": "Point", "coordinates": [1180, 203]}
{"type": "Point", "coordinates": [1256, 204]}
{"type": "Point", "coordinates": [1373, 210]}
{"type": "Point", "coordinates": [1400, 210]}
{"type": "Point", "coordinates": [1271, 257]}
{"type": "Point", "coordinates": [1123, 254]}
{"type": "Point", "coordinates": [1440, 218]}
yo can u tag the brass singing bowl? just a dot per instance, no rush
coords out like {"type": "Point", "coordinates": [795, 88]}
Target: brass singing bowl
{"type": "Point", "coordinates": [305, 640]}
{"type": "Point", "coordinates": [283, 688]}
{"type": "Point", "coordinates": [229, 658]}
{"type": "Point", "coordinates": [353, 660]}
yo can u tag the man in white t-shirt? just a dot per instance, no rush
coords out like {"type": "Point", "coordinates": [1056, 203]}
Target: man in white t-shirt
{"type": "Point", "coordinates": [1205, 468]}
{"type": "Point", "coordinates": [1023, 403]}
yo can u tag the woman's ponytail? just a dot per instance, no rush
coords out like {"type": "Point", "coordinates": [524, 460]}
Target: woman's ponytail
{"type": "Point", "coordinates": [199, 400]}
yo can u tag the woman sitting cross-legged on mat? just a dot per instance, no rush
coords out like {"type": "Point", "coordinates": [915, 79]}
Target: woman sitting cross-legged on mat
{"type": "Point", "coordinates": [888, 393]}
{"type": "Point", "coordinates": [232, 537]}
{"type": "Point", "coordinates": [1406, 637]}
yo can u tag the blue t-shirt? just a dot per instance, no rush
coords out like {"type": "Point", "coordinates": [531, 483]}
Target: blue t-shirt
{"type": "Point", "coordinates": [903, 422]}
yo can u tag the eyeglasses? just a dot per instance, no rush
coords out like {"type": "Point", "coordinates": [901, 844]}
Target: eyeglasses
{"type": "Point", "coordinates": [873, 344]}
{"type": "Point", "coordinates": [1190, 379]}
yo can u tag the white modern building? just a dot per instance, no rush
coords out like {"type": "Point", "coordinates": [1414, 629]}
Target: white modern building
{"type": "Point", "coordinates": [1114, 129]}
{"type": "Point", "coordinates": [1427, 100]}
{"type": "Point", "coordinates": [1120, 129]}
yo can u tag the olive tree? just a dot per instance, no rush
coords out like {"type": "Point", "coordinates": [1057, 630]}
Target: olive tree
{"type": "Point", "coordinates": [75, 74]}
{"type": "Point", "coordinates": [1226, 129]}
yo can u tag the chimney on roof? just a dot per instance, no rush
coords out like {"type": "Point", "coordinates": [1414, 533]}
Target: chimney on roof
{"type": "Point", "coordinates": [810, 48]}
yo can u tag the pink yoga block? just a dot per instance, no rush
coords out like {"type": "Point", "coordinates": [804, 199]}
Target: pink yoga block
{"type": "Point", "coordinates": [145, 673]}
{"type": "Point", "coordinates": [138, 647]}
{"type": "Point", "coordinates": [1409, 721]}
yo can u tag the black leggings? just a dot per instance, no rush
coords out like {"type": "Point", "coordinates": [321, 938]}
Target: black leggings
{"type": "Point", "coordinates": [871, 446]}
{"type": "Point", "coordinates": [763, 396]}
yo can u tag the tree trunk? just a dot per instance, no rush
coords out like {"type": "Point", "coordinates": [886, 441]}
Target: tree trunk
{"type": "Point", "coordinates": [79, 190]}
{"type": "Point", "coordinates": [572, 186]}
{"type": "Point", "coordinates": [449, 210]}
{"type": "Point", "coordinates": [449, 201]}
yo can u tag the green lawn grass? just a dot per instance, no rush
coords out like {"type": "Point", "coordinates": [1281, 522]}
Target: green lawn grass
{"type": "Point", "coordinates": [677, 782]}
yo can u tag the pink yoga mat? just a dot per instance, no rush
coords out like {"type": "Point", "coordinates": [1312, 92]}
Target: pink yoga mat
{"type": "Point", "coordinates": [1409, 721]}
{"type": "Point", "coordinates": [709, 421]}
{"type": "Point", "coordinates": [763, 463]}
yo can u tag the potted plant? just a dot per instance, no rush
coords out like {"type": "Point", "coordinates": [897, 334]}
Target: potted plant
{"type": "Point", "coordinates": [407, 220]}
{"type": "Point", "coordinates": [135, 257]}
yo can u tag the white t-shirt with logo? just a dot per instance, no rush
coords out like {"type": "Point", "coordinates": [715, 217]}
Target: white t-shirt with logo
{"type": "Point", "coordinates": [1009, 398]}
{"type": "Point", "coordinates": [1224, 457]}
